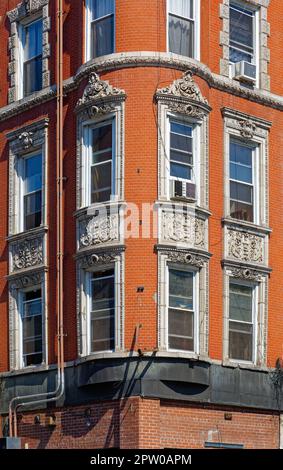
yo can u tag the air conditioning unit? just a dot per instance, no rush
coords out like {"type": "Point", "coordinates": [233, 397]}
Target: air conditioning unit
{"type": "Point", "coordinates": [244, 71]}
{"type": "Point", "coordinates": [182, 190]}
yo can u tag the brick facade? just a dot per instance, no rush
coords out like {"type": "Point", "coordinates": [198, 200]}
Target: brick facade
{"type": "Point", "coordinates": [141, 26]}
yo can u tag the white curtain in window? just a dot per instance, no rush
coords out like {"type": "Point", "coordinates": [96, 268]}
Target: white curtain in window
{"type": "Point", "coordinates": [102, 8]}
{"type": "Point", "coordinates": [182, 8]}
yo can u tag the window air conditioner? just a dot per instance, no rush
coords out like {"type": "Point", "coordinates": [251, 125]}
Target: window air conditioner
{"type": "Point", "coordinates": [244, 71]}
{"type": "Point", "coordinates": [182, 189]}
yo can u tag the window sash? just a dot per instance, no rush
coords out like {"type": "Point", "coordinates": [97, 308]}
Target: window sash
{"type": "Point", "coordinates": [189, 153]}
{"type": "Point", "coordinates": [245, 336]}
{"type": "Point", "coordinates": [35, 356]}
{"type": "Point", "coordinates": [186, 315]}
{"type": "Point", "coordinates": [242, 49]}
{"type": "Point", "coordinates": [33, 196]}
{"type": "Point", "coordinates": [102, 317]}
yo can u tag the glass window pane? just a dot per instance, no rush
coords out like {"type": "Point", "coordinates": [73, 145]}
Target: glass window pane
{"type": "Point", "coordinates": [181, 323]}
{"type": "Point", "coordinates": [179, 128]}
{"type": "Point", "coordinates": [101, 8]}
{"type": "Point", "coordinates": [241, 192]}
{"type": "Point", "coordinates": [241, 173]}
{"type": "Point", "coordinates": [181, 36]}
{"type": "Point", "coordinates": [181, 289]}
{"type": "Point", "coordinates": [33, 40]}
{"type": "Point", "coordinates": [181, 142]}
{"type": "Point", "coordinates": [236, 55]}
{"type": "Point", "coordinates": [182, 7]}
{"type": "Point", "coordinates": [241, 154]}
{"type": "Point", "coordinates": [103, 313]}
{"type": "Point", "coordinates": [33, 173]}
{"type": "Point", "coordinates": [32, 346]}
{"type": "Point", "coordinates": [32, 326]}
{"type": "Point", "coordinates": [180, 171]}
{"type": "Point", "coordinates": [240, 302]}
{"type": "Point", "coordinates": [33, 75]}
{"type": "Point", "coordinates": [240, 341]}
{"type": "Point", "coordinates": [183, 344]}
{"type": "Point", "coordinates": [32, 210]}
{"type": "Point", "coordinates": [102, 37]}
{"type": "Point", "coordinates": [32, 359]}
{"type": "Point", "coordinates": [241, 211]}
{"type": "Point", "coordinates": [102, 138]}
{"type": "Point", "coordinates": [181, 157]}
{"type": "Point", "coordinates": [100, 180]}
{"type": "Point", "coordinates": [241, 26]}
{"type": "Point", "coordinates": [101, 157]}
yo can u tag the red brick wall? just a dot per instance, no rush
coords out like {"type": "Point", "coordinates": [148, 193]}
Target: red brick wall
{"type": "Point", "coordinates": [148, 423]}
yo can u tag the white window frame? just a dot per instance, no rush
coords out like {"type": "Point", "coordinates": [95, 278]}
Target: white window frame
{"type": "Point", "coordinates": [195, 273]}
{"type": "Point", "coordinates": [88, 17]}
{"type": "Point", "coordinates": [21, 193]}
{"type": "Point", "coordinates": [21, 27]}
{"type": "Point", "coordinates": [20, 323]}
{"type": "Point", "coordinates": [256, 32]}
{"type": "Point", "coordinates": [87, 157]}
{"type": "Point", "coordinates": [196, 137]}
{"type": "Point", "coordinates": [255, 175]}
{"type": "Point", "coordinates": [255, 297]}
{"type": "Point", "coordinates": [196, 7]}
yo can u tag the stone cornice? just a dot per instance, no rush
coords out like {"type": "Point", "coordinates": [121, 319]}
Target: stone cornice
{"type": "Point", "coordinates": [145, 59]}
{"type": "Point", "coordinates": [234, 114]}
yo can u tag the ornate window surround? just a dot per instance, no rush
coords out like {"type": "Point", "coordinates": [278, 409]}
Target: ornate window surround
{"type": "Point", "coordinates": [22, 142]}
{"type": "Point", "coordinates": [26, 11]}
{"type": "Point", "coordinates": [254, 130]}
{"type": "Point", "coordinates": [197, 262]}
{"type": "Point", "coordinates": [17, 284]}
{"type": "Point", "coordinates": [264, 32]}
{"type": "Point", "coordinates": [100, 101]}
{"type": "Point", "coordinates": [259, 279]}
{"type": "Point", "coordinates": [86, 263]}
{"type": "Point", "coordinates": [183, 99]}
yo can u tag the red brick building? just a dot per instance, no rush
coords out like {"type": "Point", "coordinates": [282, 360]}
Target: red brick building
{"type": "Point", "coordinates": [172, 227]}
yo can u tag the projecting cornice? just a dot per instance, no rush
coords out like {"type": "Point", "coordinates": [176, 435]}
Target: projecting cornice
{"type": "Point", "coordinates": [145, 59]}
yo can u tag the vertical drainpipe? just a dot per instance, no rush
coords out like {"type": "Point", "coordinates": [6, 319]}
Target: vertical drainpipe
{"type": "Point", "coordinates": [59, 391]}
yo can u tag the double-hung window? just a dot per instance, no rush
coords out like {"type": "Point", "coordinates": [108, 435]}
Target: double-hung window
{"type": "Point", "coordinates": [182, 309]}
{"type": "Point", "coordinates": [182, 27]}
{"type": "Point", "coordinates": [31, 201]}
{"type": "Point", "coordinates": [31, 327]}
{"type": "Point", "coordinates": [242, 34]}
{"type": "Point", "coordinates": [101, 28]}
{"type": "Point", "coordinates": [100, 172]}
{"type": "Point", "coordinates": [242, 315]}
{"type": "Point", "coordinates": [102, 310]}
{"type": "Point", "coordinates": [32, 57]}
{"type": "Point", "coordinates": [182, 165]}
{"type": "Point", "coordinates": [242, 181]}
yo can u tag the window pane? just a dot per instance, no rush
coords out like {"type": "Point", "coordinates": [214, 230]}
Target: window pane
{"type": "Point", "coordinates": [241, 192]}
{"type": "Point", "coordinates": [240, 341]}
{"type": "Point", "coordinates": [241, 26]}
{"type": "Point", "coordinates": [32, 40]}
{"type": "Point", "coordinates": [240, 302]}
{"type": "Point", "coordinates": [180, 289]}
{"type": "Point", "coordinates": [101, 182]}
{"type": "Point", "coordinates": [241, 154]}
{"type": "Point", "coordinates": [32, 326]}
{"type": "Point", "coordinates": [235, 55]}
{"type": "Point", "coordinates": [33, 359]}
{"type": "Point", "coordinates": [102, 32]}
{"type": "Point", "coordinates": [241, 173]}
{"type": "Point", "coordinates": [180, 171]}
{"type": "Point", "coordinates": [182, 7]}
{"type": "Point", "coordinates": [181, 323]}
{"type": "Point", "coordinates": [181, 157]}
{"type": "Point", "coordinates": [241, 211]}
{"type": "Point", "coordinates": [102, 138]}
{"type": "Point", "coordinates": [181, 128]}
{"type": "Point", "coordinates": [181, 36]}
{"type": "Point", "coordinates": [181, 142]}
{"type": "Point", "coordinates": [32, 210]}
{"type": "Point", "coordinates": [33, 173]}
{"type": "Point", "coordinates": [32, 75]}
{"type": "Point", "coordinates": [102, 311]}
{"type": "Point", "coordinates": [102, 8]}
